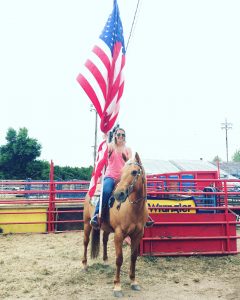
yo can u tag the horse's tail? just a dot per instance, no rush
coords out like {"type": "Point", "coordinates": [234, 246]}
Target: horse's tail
{"type": "Point", "coordinates": [95, 243]}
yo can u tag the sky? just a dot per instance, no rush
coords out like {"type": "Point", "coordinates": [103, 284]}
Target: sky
{"type": "Point", "coordinates": [182, 76]}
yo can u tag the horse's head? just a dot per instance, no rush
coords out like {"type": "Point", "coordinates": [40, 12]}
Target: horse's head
{"type": "Point", "coordinates": [132, 180]}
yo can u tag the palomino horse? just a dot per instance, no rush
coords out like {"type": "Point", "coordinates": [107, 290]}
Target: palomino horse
{"type": "Point", "coordinates": [127, 217]}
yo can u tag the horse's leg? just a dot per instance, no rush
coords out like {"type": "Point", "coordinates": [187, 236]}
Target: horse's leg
{"type": "Point", "coordinates": [105, 242]}
{"type": "Point", "coordinates": [87, 231]}
{"type": "Point", "coordinates": [135, 241]}
{"type": "Point", "coordinates": [118, 241]}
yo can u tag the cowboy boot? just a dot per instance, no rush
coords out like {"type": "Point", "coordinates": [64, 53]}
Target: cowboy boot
{"type": "Point", "coordinates": [149, 222]}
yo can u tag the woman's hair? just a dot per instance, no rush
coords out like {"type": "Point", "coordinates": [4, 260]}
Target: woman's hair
{"type": "Point", "coordinates": [115, 133]}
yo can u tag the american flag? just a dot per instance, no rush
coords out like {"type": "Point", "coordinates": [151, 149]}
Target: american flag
{"type": "Point", "coordinates": [102, 80]}
{"type": "Point", "coordinates": [102, 76]}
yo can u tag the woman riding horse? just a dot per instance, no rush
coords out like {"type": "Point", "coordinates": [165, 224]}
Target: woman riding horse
{"type": "Point", "coordinates": [118, 154]}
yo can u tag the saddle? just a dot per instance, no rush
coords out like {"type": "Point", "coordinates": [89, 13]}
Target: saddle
{"type": "Point", "coordinates": [94, 200]}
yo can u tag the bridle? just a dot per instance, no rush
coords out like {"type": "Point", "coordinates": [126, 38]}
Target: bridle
{"type": "Point", "coordinates": [130, 188]}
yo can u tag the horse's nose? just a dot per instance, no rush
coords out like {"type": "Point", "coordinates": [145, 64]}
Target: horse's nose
{"type": "Point", "coordinates": [120, 196]}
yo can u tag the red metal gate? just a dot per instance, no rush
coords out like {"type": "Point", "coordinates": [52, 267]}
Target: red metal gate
{"type": "Point", "coordinates": [192, 216]}
{"type": "Point", "coordinates": [190, 234]}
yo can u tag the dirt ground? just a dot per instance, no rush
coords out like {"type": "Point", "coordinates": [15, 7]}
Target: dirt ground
{"type": "Point", "coordinates": [48, 266]}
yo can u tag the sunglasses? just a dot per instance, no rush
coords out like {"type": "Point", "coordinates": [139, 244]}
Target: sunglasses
{"type": "Point", "coordinates": [121, 134]}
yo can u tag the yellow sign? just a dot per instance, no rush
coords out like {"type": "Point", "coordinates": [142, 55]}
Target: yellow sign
{"type": "Point", "coordinates": [158, 206]}
{"type": "Point", "coordinates": [35, 217]}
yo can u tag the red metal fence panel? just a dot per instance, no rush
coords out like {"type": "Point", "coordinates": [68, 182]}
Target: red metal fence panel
{"type": "Point", "coordinates": [194, 213]}
{"type": "Point", "coordinates": [190, 234]}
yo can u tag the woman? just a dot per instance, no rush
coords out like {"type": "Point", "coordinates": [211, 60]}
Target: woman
{"type": "Point", "coordinates": [118, 154]}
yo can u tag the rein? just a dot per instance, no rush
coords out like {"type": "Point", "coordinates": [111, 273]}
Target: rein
{"type": "Point", "coordinates": [138, 200]}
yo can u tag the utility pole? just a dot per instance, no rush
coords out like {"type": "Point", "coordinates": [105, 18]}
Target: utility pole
{"type": "Point", "coordinates": [95, 135]}
{"type": "Point", "coordinates": [226, 126]}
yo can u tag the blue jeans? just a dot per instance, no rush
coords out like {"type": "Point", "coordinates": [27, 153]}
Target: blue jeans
{"type": "Point", "coordinates": [108, 186]}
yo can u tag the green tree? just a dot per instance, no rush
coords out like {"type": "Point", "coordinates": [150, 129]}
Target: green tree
{"type": "Point", "coordinates": [236, 156]}
{"type": "Point", "coordinates": [69, 173]}
{"type": "Point", "coordinates": [18, 160]}
{"type": "Point", "coordinates": [38, 170]}
{"type": "Point", "coordinates": [86, 173]}
{"type": "Point", "coordinates": [18, 154]}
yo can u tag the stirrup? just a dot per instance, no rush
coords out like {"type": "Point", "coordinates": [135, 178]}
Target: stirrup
{"type": "Point", "coordinates": [94, 222]}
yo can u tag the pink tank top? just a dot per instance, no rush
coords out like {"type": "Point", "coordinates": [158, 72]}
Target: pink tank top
{"type": "Point", "coordinates": [115, 165]}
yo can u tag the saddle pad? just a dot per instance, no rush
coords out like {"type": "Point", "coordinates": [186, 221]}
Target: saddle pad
{"type": "Point", "coordinates": [95, 199]}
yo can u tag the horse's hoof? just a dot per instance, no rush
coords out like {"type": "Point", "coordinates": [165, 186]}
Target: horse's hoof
{"type": "Point", "coordinates": [118, 294]}
{"type": "Point", "coordinates": [84, 268]}
{"type": "Point", "coordinates": [105, 262]}
{"type": "Point", "coordinates": [135, 287]}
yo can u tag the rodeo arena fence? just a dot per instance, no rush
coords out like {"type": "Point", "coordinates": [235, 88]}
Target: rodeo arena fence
{"type": "Point", "coordinates": [195, 213]}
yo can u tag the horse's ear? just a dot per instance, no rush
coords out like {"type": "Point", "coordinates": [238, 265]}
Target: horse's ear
{"type": "Point", "coordinates": [137, 158]}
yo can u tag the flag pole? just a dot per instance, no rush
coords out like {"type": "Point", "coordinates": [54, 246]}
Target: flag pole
{"type": "Point", "coordinates": [102, 182]}
{"type": "Point", "coordinates": [100, 199]}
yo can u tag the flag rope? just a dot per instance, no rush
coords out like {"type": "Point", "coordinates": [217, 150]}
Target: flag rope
{"type": "Point", "coordinates": [133, 23]}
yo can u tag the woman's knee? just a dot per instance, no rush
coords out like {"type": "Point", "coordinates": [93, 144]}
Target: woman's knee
{"type": "Point", "coordinates": [108, 186]}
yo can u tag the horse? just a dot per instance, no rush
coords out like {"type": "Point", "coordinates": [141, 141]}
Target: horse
{"type": "Point", "coordinates": [127, 217]}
